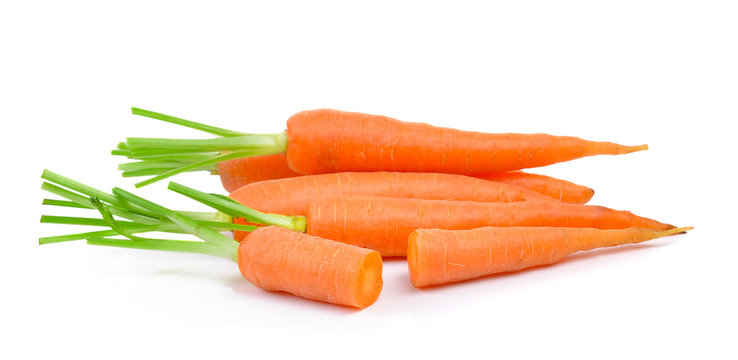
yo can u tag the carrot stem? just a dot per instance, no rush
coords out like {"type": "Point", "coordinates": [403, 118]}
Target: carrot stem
{"type": "Point", "coordinates": [185, 223]}
{"type": "Point", "coordinates": [192, 154]}
{"type": "Point", "coordinates": [187, 123]}
{"type": "Point", "coordinates": [235, 209]}
{"type": "Point", "coordinates": [198, 247]}
{"type": "Point", "coordinates": [63, 203]}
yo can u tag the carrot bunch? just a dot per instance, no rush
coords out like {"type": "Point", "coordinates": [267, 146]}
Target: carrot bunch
{"type": "Point", "coordinates": [314, 209]}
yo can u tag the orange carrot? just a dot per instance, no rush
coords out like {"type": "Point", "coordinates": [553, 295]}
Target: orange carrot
{"type": "Point", "coordinates": [443, 256]}
{"type": "Point", "coordinates": [272, 258]}
{"type": "Point", "coordinates": [384, 224]}
{"type": "Point", "coordinates": [327, 141]}
{"type": "Point", "coordinates": [561, 190]}
{"type": "Point", "coordinates": [277, 259]}
{"type": "Point", "coordinates": [292, 196]}
{"type": "Point", "coordinates": [239, 172]}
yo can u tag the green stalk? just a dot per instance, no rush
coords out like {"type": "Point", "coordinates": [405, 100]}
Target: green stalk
{"type": "Point", "coordinates": [193, 154]}
{"type": "Point", "coordinates": [63, 203]}
{"type": "Point", "coordinates": [198, 165]}
{"type": "Point", "coordinates": [187, 123]}
{"type": "Point", "coordinates": [85, 202]}
{"type": "Point", "coordinates": [68, 220]}
{"type": "Point", "coordinates": [235, 209]}
{"type": "Point", "coordinates": [197, 247]}
{"type": "Point", "coordinates": [90, 191]}
{"type": "Point", "coordinates": [187, 224]}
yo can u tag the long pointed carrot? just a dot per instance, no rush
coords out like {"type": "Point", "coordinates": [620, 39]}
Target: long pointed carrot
{"type": "Point", "coordinates": [240, 172]}
{"type": "Point", "coordinates": [443, 256]}
{"type": "Point", "coordinates": [293, 195]}
{"type": "Point", "coordinates": [384, 224]}
{"type": "Point", "coordinates": [559, 189]}
{"type": "Point", "coordinates": [273, 258]}
{"type": "Point", "coordinates": [325, 141]}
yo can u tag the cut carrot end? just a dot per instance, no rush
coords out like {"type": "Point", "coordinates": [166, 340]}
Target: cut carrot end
{"type": "Point", "coordinates": [370, 280]}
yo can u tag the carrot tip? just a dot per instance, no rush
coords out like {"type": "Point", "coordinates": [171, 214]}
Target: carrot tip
{"type": "Point", "coordinates": [675, 231]}
{"type": "Point", "coordinates": [631, 149]}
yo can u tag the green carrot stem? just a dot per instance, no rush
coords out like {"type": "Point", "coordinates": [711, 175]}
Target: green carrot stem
{"type": "Point", "coordinates": [198, 247]}
{"type": "Point", "coordinates": [69, 220]}
{"type": "Point", "coordinates": [190, 124]}
{"type": "Point", "coordinates": [198, 165]}
{"type": "Point", "coordinates": [170, 227]}
{"type": "Point", "coordinates": [85, 202]}
{"type": "Point", "coordinates": [64, 203]}
{"type": "Point", "coordinates": [235, 209]}
{"type": "Point", "coordinates": [154, 164]}
{"type": "Point", "coordinates": [256, 141]}
{"type": "Point", "coordinates": [189, 225]}
{"type": "Point", "coordinates": [90, 191]}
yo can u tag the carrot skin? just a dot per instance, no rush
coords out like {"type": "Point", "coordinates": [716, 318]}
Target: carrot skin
{"type": "Point", "coordinates": [239, 172]}
{"type": "Point", "coordinates": [326, 141]}
{"type": "Point", "coordinates": [384, 224]}
{"type": "Point", "coordinates": [443, 256]}
{"type": "Point", "coordinates": [293, 195]}
{"type": "Point", "coordinates": [562, 190]}
{"type": "Point", "coordinates": [277, 259]}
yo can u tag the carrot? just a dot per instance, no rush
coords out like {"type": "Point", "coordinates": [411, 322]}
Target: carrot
{"type": "Point", "coordinates": [292, 196]}
{"type": "Point", "coordinates": [277, 259]}
{"type": "Point", "coordinates": [239, 172]}
{"type": "Point", "coordinates": [443, 256]}
{"type": "Point", "coordinates": [325, 141]}
{"type": "Point", "coordinates": [384, 224]}
{"type": "Point", "coordinates": [273, 258]}
{"type": "Point", "coordinates": [561, 190]}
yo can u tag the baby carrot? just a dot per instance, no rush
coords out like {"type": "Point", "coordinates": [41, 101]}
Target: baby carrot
{"type": "Point", "coordinates": [326, 141]}
{"type": "Point", "coordinates": [561, 190]}
{"type": "Point", "coordinates": [442, 256]}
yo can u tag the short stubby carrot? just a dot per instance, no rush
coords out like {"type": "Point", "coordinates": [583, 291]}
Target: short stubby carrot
{"type": "Point", "coordinates": [443, 256]}
{"type": "Point", "coordinates": [559, 189]}
{"type": "Point", "coordinates": [327, 141]}
{"type": "Point", "coordinates": [384, 224]}
{"type": "Point", "coordinates": [277, 259]}
{"type": "Point", "coordinates": [292, 196]}
{"type": "Point", "coordinates": [239, 172]}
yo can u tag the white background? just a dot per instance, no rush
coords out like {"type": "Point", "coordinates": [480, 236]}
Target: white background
{"type": "Point", "coordinates": [657, 72]}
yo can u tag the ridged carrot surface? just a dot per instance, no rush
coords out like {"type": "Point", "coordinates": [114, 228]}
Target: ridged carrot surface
{"type": "Point", "coordinates": [278, 259]}
{"type": "Point", "coordinates": [443, 256]}
{"type": "Point", "coordinates": [559, 189]}
{"type": "Point", "coordinates": [329, 141]}
{"type": "Point", "coordinates": [292, 196]}
{"type": "Point", "coordinates": [384, 224]}
{"type": "Point", "coordinates": [239, 172]}
{"type": "Point", "coordinates": [325, 141]}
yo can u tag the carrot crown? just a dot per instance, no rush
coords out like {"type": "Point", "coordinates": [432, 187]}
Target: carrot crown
{"type": "Point", "coordinates": [163, 158]}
